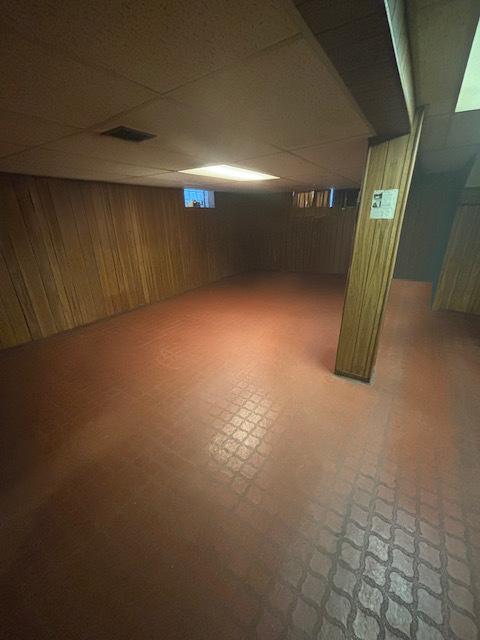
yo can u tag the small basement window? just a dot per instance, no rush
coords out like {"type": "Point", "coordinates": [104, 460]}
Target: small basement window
{"type": "Point", "coordinates": [331, 198]}
{"type": "Point", "coordinates": [199, 198]}
{"type": "Point", "coordinates": [305, 199]}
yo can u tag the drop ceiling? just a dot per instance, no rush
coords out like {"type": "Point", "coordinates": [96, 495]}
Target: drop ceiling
{"type": "Point", "coordinates": [217, 82]}
{"type": "Point", "coordinates": [441, 34]}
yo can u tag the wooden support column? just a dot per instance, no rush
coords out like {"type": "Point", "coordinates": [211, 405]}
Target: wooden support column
{"type": "Point", "coordinates": [389, 166]}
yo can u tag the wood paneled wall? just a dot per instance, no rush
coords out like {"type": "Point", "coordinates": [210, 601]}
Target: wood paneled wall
{"type": "Point", "coordinates": [309, 240]}
{"type": "Point", "coordinates": [320, 245]}
{"type": "Point", "coordinates": [72, 252]}
{"type": "Point", "coordinates": [459, 284]}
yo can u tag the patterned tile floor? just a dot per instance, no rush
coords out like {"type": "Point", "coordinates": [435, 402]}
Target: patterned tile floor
{"type": "Point", "coordinates": [194, 470]}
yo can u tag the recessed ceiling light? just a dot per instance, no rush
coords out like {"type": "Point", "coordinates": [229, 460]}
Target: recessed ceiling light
{"type": "Point", "coordinates": [469, 96]}
{"type": "Point", "coordinates": [226, 172]}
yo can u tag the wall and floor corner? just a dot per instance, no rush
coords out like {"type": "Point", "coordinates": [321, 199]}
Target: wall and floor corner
{"type": "Point", "coordinates": [72, 252]}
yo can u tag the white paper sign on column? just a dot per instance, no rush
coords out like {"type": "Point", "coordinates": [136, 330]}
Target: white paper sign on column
{"type": "Point", "coordinates": [384, 202]}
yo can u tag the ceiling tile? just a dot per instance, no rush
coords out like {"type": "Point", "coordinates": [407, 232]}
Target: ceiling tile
{"type": "Point", "coordinates": [346, 157]}
{"type": "Point", "coordinates": [464, 129]}
{"type": "Point", "coordinates": [158, 43]}
{"type": "Point", "coordinates": [442, 160]}
{"type": "Point", "coordinates": [281, 95]}
{"type": "Point", "coordinates": [293, 168]}
{"type": "Point", "coordinates": [54, 87]}
{"type": "Point", "coordinates": [331, 179]}
{"type": "Point", "coordinates": [143, 153]}
{"type": "Point", "coordinates": [434, 132]}
{"type": "Point", "coordinates": [331, 15]}
{"type": "Point", "coordinates": [40, 161]}
{"type": "Point", "coordinates": [76, 174]}
{"type": "Point", "coordinates": [183, 180]}
{"type": "Point", "coordinates": [191, 132]}
{"type": "Point", "coordinates": [283, 164]}
{"type": "Point", "coordinates": [287, 97]}
{"type": "Point", "coordinates": [29, 131]}
{"type": "Point", "coordinates": [440, 37]}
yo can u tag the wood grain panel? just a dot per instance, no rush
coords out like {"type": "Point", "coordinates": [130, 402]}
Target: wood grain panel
{"type": "Point", "coordinates": [310, 240]}
{"type": "Point", "coordinates": [459, 284]}
{"type": "Point", "coordinates": [389, 166]}
{"type": "Point", "coordinates": [72, 252]}
{"type": "Point", "coordinates": [13, 323]}
{"type": "Point", "coordinates": [320, 245]}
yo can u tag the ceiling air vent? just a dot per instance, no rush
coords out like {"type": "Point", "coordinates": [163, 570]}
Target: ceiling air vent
{"type": "Point", "coordinates": [131, 135]}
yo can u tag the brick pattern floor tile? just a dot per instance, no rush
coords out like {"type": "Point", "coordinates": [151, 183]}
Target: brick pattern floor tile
{"type": "Point", "coordinates": [193, 469]}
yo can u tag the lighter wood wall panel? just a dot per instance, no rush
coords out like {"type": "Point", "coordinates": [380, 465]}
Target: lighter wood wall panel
{"type": "Point", "coordinates": [459, 284]}
{"type": "Point", "coordinates": [72, 252]}
{"type": "Point", "coordinates": [389, 166]}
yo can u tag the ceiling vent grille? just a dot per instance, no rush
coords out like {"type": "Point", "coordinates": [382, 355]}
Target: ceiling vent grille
{"type": "Point", "coordinates": [131, 135]}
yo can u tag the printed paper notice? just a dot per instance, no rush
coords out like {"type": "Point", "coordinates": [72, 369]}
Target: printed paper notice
{"type": "Point", "coordinates": [384, 202]}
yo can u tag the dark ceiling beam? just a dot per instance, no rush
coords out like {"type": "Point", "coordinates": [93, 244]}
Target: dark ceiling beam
{"type": "Point", "coordinates": [356, 36]}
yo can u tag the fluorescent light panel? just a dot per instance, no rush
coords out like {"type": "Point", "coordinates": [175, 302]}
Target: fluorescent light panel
{"type": "Point", "coordinates": [227, 172]}
{"type": "Point", "coordinates": [469, 96]}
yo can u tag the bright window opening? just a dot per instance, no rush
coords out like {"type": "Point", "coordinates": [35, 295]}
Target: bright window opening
{"type": "Point", "coordinates": [305, 199]}
{"type": "Point", "coordinates": [199, 198]}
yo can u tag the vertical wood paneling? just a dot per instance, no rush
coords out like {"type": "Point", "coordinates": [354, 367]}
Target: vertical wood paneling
{"type": "Point", "coordinates": [72, 252]}
{"type": "Point", "coordinates": [389, 166]}
{"type": "Point", "coordinates": [289, 239]}
{"type": "Point", "coordinates": [319, 245]}
{"type": "Point", "coordinates": [13, 324]}
{"type": "Point", "coordinates": [459, 284]}
{"type": "Point", "coordinates": [20, 259]}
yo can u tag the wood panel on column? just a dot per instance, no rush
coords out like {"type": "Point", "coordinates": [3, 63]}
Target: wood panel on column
{"type": "Point", "coordinates": [389, 166]}
{"type": "Point", "coordinates": [72, 252]}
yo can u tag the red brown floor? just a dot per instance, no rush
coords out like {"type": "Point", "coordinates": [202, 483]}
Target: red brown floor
{"type": "Point", "coordinates": [194, 470]}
